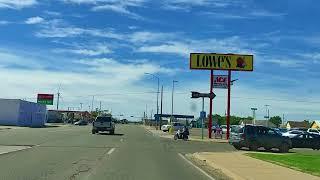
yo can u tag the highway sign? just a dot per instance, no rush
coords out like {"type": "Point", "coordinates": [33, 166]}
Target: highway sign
{"type": "Point", "coordinates": [199, 95]}
{"type": "Point", "coordinates": [46, 99]}
{"type": "Point", "coordinates": [213, 61]}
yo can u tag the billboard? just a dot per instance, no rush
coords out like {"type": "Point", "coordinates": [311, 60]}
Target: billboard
{"type": "Point", "coordinates": [221, 81]}
{"type": "Point", "coordinates": [46, 99]}
{"type": "Point", "coordinates": [213, 61]}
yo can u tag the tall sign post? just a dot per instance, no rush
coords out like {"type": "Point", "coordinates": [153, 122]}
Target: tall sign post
{"type": "Point", "coordinates": [228, 62]}
{"type": "Point", "coordinates": [203, 113]}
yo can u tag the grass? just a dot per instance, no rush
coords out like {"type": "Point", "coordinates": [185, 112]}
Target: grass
{"type": "Point", "coordinates": [302, 161]}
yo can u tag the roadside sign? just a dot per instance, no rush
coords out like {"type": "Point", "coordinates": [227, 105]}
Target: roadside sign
{"type": "Point", "coordinates": [220, 81]}
{"type": "Point", "coordinates": [203, 114]}
{"type": "Point", "coordinates": [46, 99]}
{"type": "Point", "coordinates": [200, 95]}
{"type": "Point", "coordinates": [213, 61]}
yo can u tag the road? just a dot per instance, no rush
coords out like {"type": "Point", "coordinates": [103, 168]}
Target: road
{"type": "Point", "coordinates": [72, 152]}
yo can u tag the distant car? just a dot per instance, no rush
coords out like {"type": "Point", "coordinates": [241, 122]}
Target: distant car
{"type": "Point", "coordinates": [306, 140]}
{"type": "Point", "coordinates": [292, 133]}
{"type": "Point", "coordinates": [165, 127]}
{"type": "Point", "coordinates": [224, 129]}
{"type": "Point", "coordinates": [254, 137]}
{"type": "Point", "coordinates": [103, 123]}
{"type": "Point", "coordinates": [81, 123]}
{"type": "Point", "coordinates": [313, 131]}
{"type": "Point", "coordinates": [176, 126]}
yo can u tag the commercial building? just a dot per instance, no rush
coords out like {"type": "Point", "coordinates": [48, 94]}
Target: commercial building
{"type": "Point", "coordinates": [16, 112]}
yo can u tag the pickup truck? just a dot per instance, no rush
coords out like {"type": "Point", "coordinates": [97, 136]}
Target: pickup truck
{"type": "Point", "coordinates": [103, 123]}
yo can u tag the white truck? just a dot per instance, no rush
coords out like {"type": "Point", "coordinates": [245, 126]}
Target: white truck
{"type": "Point", "coordinates": [103, 123]}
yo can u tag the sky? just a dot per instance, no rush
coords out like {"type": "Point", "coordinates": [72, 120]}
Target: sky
{"type": "Point", "coordinates": [99, 51]}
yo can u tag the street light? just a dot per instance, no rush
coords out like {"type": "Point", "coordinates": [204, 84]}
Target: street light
{"type": "Point", "coordinates": [254, 115]}
{"type": "Point", "coordinates": [173, 81]}
{"type": "Point", "coordinates": [157, 77]}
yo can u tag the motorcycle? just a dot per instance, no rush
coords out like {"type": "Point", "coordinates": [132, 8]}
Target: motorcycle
{"type": "Point", "coordinates": [182, 134]}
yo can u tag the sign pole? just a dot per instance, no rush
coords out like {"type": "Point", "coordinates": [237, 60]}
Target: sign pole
{"type": "Point", "coordinates": [210, 111]}
{"type": "Point", "coordinates": [228, 104]}
{"type": "Point", "coordinates": [202, 118]}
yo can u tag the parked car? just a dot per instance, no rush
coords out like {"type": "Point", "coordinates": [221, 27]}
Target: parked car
{"type": "Point", "coordinates": [313, 131]}
{"type": "Point", "coordinates": [176, 126]}
{"type": "Point", "coordinates": [254, 137]}
{"type": "Point", "coordinates": [292, 133]}
{"type": "Point", "coordinates": [81, 123]}
{"type": "Point", "coordinates": [306, 140]}
{"type": "Point", "coordinates": [103, 123]}
{"type": "Point", "coordinates": [165, 127]}
{"type": "Point", "coordinates": [224, 129]}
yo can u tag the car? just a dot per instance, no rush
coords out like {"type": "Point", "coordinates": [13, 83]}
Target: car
{"type": "Point", "coordinates": [103, 123]}
{"type": "Point", "coordinates": [165, 127]}
{"type": "Point", "coordinates": [306, 140]}
{"type": "Point", "coordinates": [224, 129]}
{"type": "Point", "coordinates": [292, 133]}
{"type": "Point", "coordinates": [313, 131]}
{"type": "Point", "coordinates": [254, 137]}
{"type": "Point", "coordinates": [176, 126]}
{"type": "Point", "coordinates": [81, 123]}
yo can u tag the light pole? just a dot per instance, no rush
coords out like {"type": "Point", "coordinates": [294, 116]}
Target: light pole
{"type": "Point", "coordinates": [173, 81]}
{"type": "Point", "coordinates": [254, 115]}
{"type": "Point", "coordinates": [157, 77]}
{"type": "Point", "coordinates": [267, 114]}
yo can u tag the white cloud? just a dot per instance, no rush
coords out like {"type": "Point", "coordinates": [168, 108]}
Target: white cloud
{"type": "Point", "coordinates": [17, 4]}
{"type": "Point", "coordinates": [92, 50]}
{"type": "Point", "coordinates": [52, 13]}
{"type": "Point", "coordinates": [58, 29]}
{"type": "Point", "coordinates": [4, 22]}
{"type": "Point", "coordinates": [288, 63]}
{"type": "Point", "coordinates": [186, 5]}
{"type": "Point", "coordinates": [146, 36]}
{"type": "Point", "coordinates": [117, 6]}
{"type": "Point", "coordinates": [184, 48]}
{"type": "Point", "coordinates": [34, 20]}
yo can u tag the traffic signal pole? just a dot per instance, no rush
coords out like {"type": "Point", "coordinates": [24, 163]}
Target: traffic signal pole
{"type": "Point", "coordinates": [210, 111]}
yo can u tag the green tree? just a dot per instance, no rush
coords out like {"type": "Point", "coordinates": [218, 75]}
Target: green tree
{"type": "Point", "coordinates": [276, 120]}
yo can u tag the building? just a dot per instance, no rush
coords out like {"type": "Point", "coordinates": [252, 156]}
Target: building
{"type": "Point", "coordinates": [315, 125]}
{"type": "Point", "coordinates": [297, 124]}
{"type": "Point", "coordinates": [16, 112]}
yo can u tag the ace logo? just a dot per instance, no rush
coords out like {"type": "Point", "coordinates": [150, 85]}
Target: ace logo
{"type": "Point", "coordinates": [220, 79]}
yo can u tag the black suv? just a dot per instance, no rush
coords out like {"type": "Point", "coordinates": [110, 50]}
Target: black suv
{"type": "Point", "coordinates": [254, 137]}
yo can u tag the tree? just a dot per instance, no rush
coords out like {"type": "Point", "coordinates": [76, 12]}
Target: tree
{"type": "Point", "coordinates": [276, 120]}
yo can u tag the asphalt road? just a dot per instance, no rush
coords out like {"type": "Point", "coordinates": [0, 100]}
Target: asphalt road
{"type": "Point", "coordinates": [72, 152]}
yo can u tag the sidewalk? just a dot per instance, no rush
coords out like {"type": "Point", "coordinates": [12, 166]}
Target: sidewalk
{"type": "Point", "coordinates": [191, 137]}
{"type": "Point", "coordinates": [238, 166]}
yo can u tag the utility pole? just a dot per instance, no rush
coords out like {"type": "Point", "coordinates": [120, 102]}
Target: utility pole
{"type": "Point", "coordinates": [282, 119]}
{"type": "Point", "coordinates": [58, 99]}
{"type": "Point", "coordinates": [173, 81]}
{"type": "Point", "coordinates": [160, 124]}
{"type": "Point", "coordinates": [100, 106]}
{"type": "Point", "coordinates": [81, 106]}
{"type": "Point", "coordinates": [92, 103]}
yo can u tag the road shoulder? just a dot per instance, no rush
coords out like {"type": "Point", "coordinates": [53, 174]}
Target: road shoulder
{"type": "Point", "coordinates": [238, 166]}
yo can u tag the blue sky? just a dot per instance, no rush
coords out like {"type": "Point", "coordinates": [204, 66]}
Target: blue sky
{"type": "Point", "coordinates": [104, 47]}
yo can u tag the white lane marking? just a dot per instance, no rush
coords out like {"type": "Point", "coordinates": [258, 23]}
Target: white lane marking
{"type": "Point", "coordinates": [111, 151]}
{"type": "Point", "coordinates": [202, 171]}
